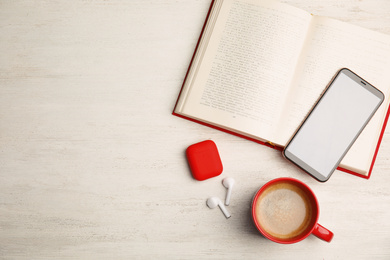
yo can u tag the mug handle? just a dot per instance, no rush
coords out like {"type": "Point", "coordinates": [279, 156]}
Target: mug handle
{"type": "Point", "coordinates": [322, 233]}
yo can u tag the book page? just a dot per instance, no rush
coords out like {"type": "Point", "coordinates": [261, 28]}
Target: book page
{"type": "Point", "coordinates": [330, 46]}
{"type": "Point", "coordinates": [247, 65]}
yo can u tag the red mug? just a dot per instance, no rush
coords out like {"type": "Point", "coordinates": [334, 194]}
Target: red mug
{"type": "Point", "coordinates": [286, 211]}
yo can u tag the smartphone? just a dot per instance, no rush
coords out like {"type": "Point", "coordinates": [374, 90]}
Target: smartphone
{"type": "Point", "coordinates": [333, 125]}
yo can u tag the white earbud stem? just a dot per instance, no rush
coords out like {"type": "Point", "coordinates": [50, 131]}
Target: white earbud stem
{"type": "Point", "coordinates": [228, 183]}
{"type": "Point", "coordinates": [213, 202]}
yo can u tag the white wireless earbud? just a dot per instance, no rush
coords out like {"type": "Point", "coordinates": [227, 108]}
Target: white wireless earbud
{"type": "Point", "coordinates": [213, 202]}
{"type": "Point", "coordinates": [228, 183]}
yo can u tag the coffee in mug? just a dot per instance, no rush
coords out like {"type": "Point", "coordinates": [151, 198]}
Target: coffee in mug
{"type": "Point", "coordinates": [285, 210]}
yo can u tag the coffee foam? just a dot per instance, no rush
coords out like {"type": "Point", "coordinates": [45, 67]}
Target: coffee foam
{"type": "Point", "coordinates": [283, 210]}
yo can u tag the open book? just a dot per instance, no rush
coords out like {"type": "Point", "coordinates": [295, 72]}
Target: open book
{"type": "Point", "coordinates": [260, 66]}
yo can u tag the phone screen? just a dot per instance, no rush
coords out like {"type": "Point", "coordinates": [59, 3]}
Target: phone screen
{"type": "Point", "coordinates": [333, 125]}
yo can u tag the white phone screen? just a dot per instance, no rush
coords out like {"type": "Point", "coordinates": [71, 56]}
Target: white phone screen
{"type": "Point", "coordinates": [333, 125]}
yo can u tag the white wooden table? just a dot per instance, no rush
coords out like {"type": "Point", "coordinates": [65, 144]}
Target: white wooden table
{"type": "Point", "coordinates": [92, 162]}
